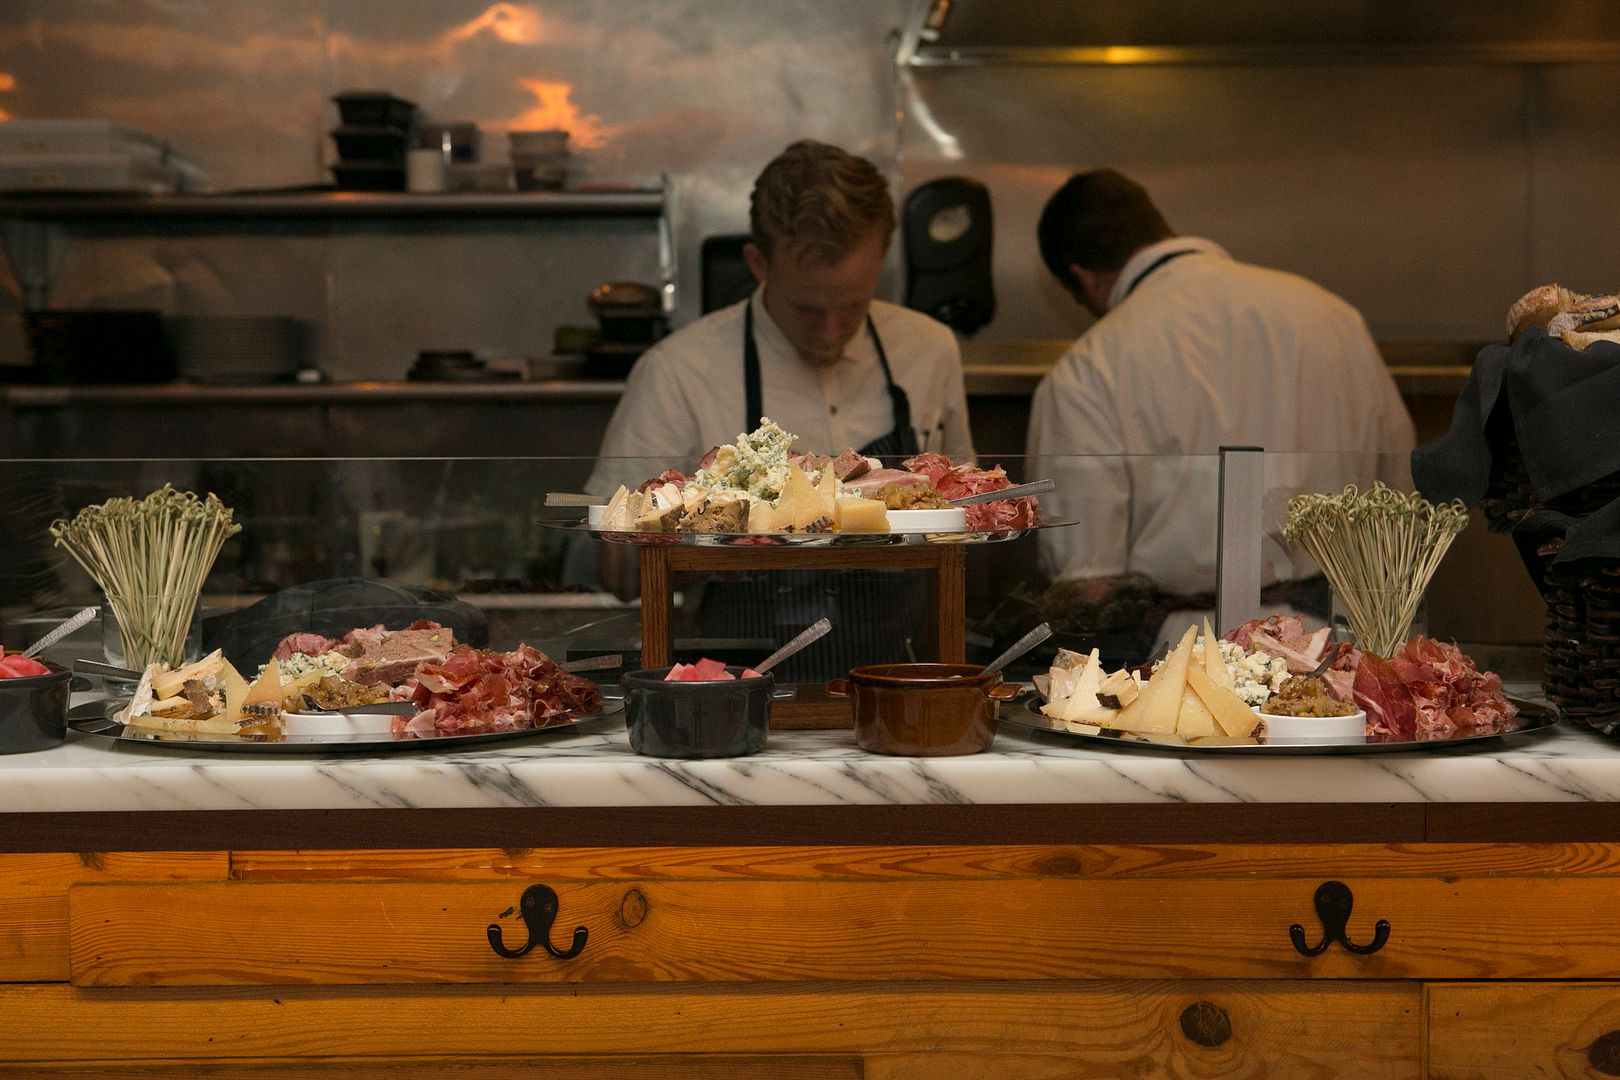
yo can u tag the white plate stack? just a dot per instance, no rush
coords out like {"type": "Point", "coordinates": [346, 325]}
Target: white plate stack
{"type": "Point", "coordinates": [90, 155]}
{"type": "Point", "coordinates": [239, 349]}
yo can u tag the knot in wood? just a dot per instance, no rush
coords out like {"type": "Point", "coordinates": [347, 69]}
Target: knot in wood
{"type": "Point", "coordinates": [633, 908]}
{"type": "Point", "coordinates": [1060, 865]}
{"type": "Point", "coordinates": [1604, 1053]}
{"type": "Point", "coordinates": [1206, 1024]}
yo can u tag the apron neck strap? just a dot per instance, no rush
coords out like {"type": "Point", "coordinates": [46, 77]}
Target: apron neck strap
{"type": "Point", "coordinates": [753, 389]}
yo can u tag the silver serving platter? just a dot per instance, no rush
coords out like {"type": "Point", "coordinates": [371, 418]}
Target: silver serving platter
{"type": "Point", "coordinates": [98, 719]}
{"type": "Point", "coordinates": [1533, 717]}
{"type": "Point", "coordinates": [834, 539]}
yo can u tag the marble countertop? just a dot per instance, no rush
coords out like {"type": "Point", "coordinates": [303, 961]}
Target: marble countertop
{"type": "Point", "coordinates": [593, 766]}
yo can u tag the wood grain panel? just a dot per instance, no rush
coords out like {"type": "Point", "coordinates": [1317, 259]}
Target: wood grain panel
{"type": "Point", "coordinates": [949, 861]}
{"type": "Point", "coordinates": [690, 1067]}
{"type": "Point", "coordinates": [34, 906]}
{"type": "Point", "coordinates": [717, 931]}
{"type": "Point", "coordinates": [1506, 1031]}
{"type": "Point", "coordinates": [1306, 1030]}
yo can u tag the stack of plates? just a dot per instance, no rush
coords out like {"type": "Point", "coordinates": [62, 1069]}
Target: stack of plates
{"type": "Point", "coordinates": [239, 349]}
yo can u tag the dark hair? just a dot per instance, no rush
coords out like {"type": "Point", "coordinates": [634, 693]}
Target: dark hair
{"type": "Point", "coordinates": [815, 199]}
{"type": "Point", "coordinates": [1098, 220]}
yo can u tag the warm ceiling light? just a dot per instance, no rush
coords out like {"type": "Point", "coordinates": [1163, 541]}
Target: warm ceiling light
{"type": "Point", "coordinates": [1125, 54]}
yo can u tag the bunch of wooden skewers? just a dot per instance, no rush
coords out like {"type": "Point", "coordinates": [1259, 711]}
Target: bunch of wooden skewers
{"type": "Point", "coordinates": [150, 557]}
{"type": "Point", "coordinates": [1378, 549]}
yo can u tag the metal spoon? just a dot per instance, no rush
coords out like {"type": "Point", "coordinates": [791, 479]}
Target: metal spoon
{"type": "Point", "coordinates": [1019, 648]}
{"type": "Point", "coordinates": [1017, 491]}
{"type": "Point", "coordinates": [383, 708]}
{"type": "Point", "coordinates": [814, 632]}
{"type": "Point", "coordinates": [61, 630]}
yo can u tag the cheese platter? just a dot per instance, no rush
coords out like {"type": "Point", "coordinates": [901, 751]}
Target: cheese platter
{"type": "Point", "coordinates": [1532, 718]}
{"type": "Point", "coordinates": [912, 535]}
{"type": "Point", "coordinates": [101, 720]}
{"type": "Point", "coordinates": [1272, 686]}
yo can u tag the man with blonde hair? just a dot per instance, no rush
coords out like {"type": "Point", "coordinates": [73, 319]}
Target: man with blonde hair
{"type": "Point", "coordinates": [811, 348]}
{"type": "Point", "coordinates": [814, 351]}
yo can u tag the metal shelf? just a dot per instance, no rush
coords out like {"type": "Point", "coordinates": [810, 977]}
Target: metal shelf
{"type": "Point", "coordinates": [925, 56]}
{"type": "Point", "coordinates": [331, 205]}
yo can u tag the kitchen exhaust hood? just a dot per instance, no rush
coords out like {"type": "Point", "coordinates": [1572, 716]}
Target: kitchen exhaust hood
{"type": "Point", "coordinates": [944, 33]}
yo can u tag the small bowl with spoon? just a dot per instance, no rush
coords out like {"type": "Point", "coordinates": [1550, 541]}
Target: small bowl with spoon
{"type": "Point", "coordinates": [726, 714]}
{"type": "Point", "coordinates": [932, 710]}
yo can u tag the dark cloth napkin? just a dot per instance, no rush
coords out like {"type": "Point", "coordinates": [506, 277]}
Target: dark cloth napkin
{"type": "Point", "coordinates": [1562, 407]}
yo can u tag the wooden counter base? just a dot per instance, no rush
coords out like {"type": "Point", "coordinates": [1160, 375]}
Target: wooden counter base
{"type": "Point", "coordinates": [902, 962]}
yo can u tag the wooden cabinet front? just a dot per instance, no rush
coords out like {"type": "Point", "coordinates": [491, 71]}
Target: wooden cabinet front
{"type": "Point", "coordinates": [895, 962]}
{"type": "Point", "coordinates": [380, 933]}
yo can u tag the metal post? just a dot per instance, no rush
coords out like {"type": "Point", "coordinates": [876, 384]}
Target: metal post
{"type": "Point", "coordinates": [1238, 535]}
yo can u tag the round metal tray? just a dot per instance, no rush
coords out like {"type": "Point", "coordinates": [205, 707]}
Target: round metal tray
{"type": "Point", "coordinates": [96, 719]}
{"type": "Point", "coordinates": [834, 539]}
{"type": "Point", "coordinates": [1532, 718]}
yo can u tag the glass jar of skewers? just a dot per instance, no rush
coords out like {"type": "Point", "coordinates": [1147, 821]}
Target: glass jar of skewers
{"type": "Point", "coordinates": [138, 629]}
{"type": "Point", "coordinates": [1379, 550]}
{"type": "Point", "coordinates": [150, 557]}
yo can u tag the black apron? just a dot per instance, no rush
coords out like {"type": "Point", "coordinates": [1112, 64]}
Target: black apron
{"type": "Point", "coordinates": [874, 612]}
{"type": "Point", "coordinates": [900, 442]}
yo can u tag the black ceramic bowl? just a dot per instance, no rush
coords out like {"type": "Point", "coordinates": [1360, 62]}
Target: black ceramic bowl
{"type": "Point", "coordinates": [696, 719]}
{"type": "Point", "coordinates": [33, 711]}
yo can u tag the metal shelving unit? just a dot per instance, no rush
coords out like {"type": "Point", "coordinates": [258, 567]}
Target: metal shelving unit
{"type": "Point", "coordinates": [331, 206]}
{"type": "Point", "coordinates": [32, 224]}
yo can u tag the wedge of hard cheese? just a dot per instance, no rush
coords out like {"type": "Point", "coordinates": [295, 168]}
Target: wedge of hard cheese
{"type": "Point", "coordinates": [1156, 709]}
{"type": "Point", "coordinates": [1230, 713]}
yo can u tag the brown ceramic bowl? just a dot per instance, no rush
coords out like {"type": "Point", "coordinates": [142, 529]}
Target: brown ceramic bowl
{"type": "Point", "coordinates": [924, 710]}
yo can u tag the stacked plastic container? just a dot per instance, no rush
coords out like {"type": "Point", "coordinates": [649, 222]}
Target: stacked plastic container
{"type": "Point", "coordinates": [371, 140]}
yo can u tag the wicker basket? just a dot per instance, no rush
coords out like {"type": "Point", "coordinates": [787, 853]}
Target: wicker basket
{"type": "Point", "coordinates": [1583, 645]}
{"type": "Point", "coordinates": [1582, 653]}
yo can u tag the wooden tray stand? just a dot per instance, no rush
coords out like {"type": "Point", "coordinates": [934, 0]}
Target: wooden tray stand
{"type": "Point", "coordinates": [813, 708]}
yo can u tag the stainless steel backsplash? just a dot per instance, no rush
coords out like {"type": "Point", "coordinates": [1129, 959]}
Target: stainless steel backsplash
{"type": "Point", "coordinates": [1428, 194]}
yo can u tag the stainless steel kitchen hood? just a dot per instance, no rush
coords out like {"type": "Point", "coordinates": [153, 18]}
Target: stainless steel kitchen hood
{"type": "Point", "coordinates": [941, 33]}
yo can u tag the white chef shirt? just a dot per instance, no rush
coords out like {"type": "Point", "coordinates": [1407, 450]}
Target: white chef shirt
{"type": "Point", "coordinates": [1206, 352]}
{"type": "Point", "coordinates": [685, 395]}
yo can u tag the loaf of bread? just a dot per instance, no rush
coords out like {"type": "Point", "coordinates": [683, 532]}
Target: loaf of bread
{"type": "Point", "coordinates": [1564, 313]}
{"type": "Point", "coordinates": [1580, 339]}
{"type": "Point", "coordinates": [1538, 307]}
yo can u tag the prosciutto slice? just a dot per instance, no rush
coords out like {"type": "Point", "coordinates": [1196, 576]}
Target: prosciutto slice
{"type": "Point", "coordinates": [1449, 691]}
{"type": "Point", "coordinates": [308, 644]}
{"type": "Point", "coordinates": [479, 690]}
{"type": "Point", "coordinates": [1391, 709]}
{"type": "Point", "coordinates": [960, 481]}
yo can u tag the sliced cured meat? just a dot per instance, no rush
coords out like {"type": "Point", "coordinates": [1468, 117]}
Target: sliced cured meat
{"type": "Point", "coordinates": [1388, 701]}
{"type": "Point", "coordinates": [850, 465]}
{"type": "Point", "coordinates": [876, 478]}
{"type": "Point", "coordinates": [476, 691]}
{"type": "Point", "coordinates": [308, 644]}
{"type": "Point", "coordinates": [1449, 691]}
{"type": "Point", "coordinates": [960, 481]}
{"type": "Point", "coordinates": [668, 476]}
{"type": "Point", "coordinates": [389, 657]}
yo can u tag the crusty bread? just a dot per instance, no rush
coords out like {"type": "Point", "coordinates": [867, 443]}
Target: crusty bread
{"type": "Point", "coordinates": [1538, 306]}
{"type": "Point", "coordinates": [1590, 313]}
{"type": "Point", "coordinates": [1580, 339]}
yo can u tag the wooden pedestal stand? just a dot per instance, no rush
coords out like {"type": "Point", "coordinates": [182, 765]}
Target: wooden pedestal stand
{"type": "Point", "coordinates": [812, 708]}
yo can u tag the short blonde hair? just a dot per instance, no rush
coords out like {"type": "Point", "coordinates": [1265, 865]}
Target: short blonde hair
{"type": "Point", "coordinates": [817, 200]}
